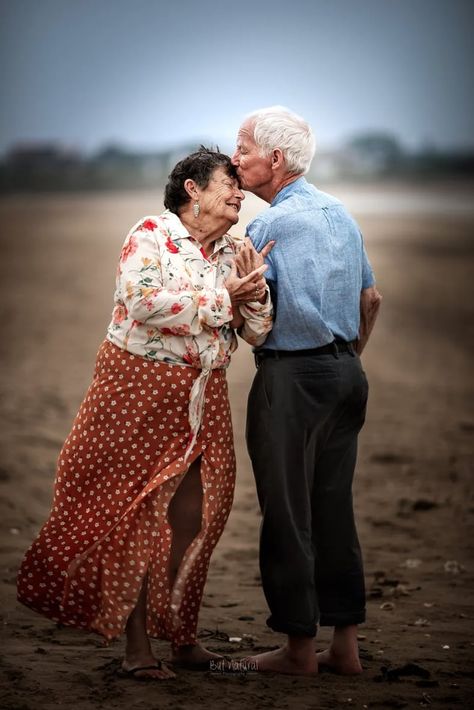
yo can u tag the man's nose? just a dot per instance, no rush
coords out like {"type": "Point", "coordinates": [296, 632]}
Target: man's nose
{"type": "Point", "coordinates": [235, 158]}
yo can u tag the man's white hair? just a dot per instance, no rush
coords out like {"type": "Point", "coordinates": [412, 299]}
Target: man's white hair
{"type": "Point", "coordinates": [278, 127]}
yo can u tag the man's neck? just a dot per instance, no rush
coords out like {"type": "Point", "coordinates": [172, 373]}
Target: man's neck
{"type": "Point", "coordinates": [270, 191]}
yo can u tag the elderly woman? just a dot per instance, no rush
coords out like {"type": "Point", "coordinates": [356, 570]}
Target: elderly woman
{"type": "Point", "coordinates": [145, 478]}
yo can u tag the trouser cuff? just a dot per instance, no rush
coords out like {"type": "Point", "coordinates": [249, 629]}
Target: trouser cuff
{"type": "Point", "coordinates": [291, 629]}
{"type": "Point", "coordinates": [345, 618]}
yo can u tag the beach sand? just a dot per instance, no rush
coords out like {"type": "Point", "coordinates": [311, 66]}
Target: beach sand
{"type": "Point", "coordinates": [413, 488]}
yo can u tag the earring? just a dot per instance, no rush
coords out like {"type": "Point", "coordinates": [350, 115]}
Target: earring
{"type": "Point", "coordinates": [196, 209]}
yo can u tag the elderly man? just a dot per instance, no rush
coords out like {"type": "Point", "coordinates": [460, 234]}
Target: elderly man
{"type": "Point", "coordinates": [308, 400]}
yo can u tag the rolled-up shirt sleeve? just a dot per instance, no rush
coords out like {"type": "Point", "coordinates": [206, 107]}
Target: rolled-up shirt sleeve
{"type": "Point", "coordinates": [368, 278]}
{"type": "Point", "coordinates": [147, 301]}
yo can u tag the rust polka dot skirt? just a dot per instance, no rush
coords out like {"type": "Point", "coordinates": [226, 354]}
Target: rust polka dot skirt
{"type": "Point", "coordinates": [117, 472]}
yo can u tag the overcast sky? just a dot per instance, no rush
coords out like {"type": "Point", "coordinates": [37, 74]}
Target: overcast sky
{"type": "Point", "coordinates": [147, 73]}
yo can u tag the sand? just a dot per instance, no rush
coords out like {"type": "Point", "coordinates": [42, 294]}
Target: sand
{"type": "Point", "coordinates": [413, 492]}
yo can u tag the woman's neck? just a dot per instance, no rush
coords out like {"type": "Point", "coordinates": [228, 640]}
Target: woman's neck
{"type": "Point", "coordinates": [202, 230]}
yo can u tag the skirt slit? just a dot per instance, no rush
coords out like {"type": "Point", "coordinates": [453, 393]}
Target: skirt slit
{"type": "Point", "coordinates": [117, 473]}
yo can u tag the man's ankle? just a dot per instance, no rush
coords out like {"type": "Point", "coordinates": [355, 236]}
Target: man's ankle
{"type": "Point", "coordinates": [344, 640]}
{"type": "Point", "coordinates": [300, 646]}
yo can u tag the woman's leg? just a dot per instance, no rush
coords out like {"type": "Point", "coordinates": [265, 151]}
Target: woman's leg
{"type": "Point", "coordinates": [185, 518]}
{"type": "Point", "coordinates": [138, 652]}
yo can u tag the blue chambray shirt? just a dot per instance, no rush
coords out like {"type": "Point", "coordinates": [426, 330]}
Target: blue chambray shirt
{"type": "Point", "coordinates": [317, 267]}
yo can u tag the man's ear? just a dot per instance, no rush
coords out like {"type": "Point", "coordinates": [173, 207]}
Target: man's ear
{"type": "Point", "coordinates": [277, 159]}
{"type": "Point", "coordinates": [191, 188]}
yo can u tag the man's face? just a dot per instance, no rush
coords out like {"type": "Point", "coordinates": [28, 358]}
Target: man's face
{"type": "Point", "coordinates": [253, 170]}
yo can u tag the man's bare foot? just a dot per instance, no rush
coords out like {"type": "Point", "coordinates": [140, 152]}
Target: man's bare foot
{"type": "Point", "coordinates": [146, 667]}
{"type": "Point", "coordinates": [344, 665]}
{"type": "Point", "coordinates": [283, 661]}
{"type": "Point", "coordinates": [194, 656]}
{"type": "Point", "coordinates": [342, 656]}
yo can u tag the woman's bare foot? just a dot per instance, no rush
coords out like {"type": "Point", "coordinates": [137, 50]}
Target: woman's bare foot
{"type": "Point", "coordinates": [194, 655]}
{"type": "Point", "coordinates": [283, 660]}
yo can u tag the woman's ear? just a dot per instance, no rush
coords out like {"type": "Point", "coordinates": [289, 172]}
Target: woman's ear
{"type": "Point", "coordinates": [191, 188]}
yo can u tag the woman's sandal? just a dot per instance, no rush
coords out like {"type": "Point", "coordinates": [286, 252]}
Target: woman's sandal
{"type": "Point", "coordinates": [132, 673]}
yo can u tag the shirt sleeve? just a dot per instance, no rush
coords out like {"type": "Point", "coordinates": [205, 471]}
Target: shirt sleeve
{"type": "Point", "coordinates": [139, 280]}
{"type": "Point", "coordinates": [368, 278]}
{"type": "Point", "coordinates": [258, 232]}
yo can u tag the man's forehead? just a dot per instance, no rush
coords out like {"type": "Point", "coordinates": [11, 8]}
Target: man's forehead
{"type": "Point", "coordinates": [246, 131]}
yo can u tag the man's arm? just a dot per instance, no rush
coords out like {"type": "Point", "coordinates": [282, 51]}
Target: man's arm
{"type": "Point", "coordinates": [370, 300]}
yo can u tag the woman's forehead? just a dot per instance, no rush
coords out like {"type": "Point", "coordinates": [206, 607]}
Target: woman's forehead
{"type": "Point", "coordinates": [222, 173]}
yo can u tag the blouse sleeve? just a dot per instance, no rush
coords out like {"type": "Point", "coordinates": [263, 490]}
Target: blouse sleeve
{"type": "Point", "coordinates": [258, 320]}
{"type": "Point", "coordinates": [140, 283]}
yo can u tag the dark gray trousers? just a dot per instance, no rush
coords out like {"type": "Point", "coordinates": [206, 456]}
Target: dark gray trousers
{"type": "Point", "coordinates": [304, 415]}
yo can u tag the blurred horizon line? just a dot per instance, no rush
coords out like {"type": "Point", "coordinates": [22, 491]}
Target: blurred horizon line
{"type": "Point", "coordinates": [55, 165]}
{"type": "Point", "coordinates": [226, 146]}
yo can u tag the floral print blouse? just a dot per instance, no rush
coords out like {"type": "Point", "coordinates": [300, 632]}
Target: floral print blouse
{"type": "Point", "coordinates": [171, 303]}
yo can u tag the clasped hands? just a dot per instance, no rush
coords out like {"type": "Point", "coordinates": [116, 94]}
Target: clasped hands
{"type": "Point", "coordinates": [246, 282]}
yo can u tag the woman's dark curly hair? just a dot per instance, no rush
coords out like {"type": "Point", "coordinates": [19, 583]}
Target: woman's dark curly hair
{"type": "Point", "coordinates": [199, 167]}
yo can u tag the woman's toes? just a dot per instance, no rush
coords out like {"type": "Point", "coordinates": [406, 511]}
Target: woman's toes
{"type": "Point", "coordinates": [167, 672]}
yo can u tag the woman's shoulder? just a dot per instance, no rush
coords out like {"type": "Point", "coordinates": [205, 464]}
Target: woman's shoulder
{"type": "Point", "coordinates": [159, 228]}
{"type": "Point", "coordinates": [149, 223]}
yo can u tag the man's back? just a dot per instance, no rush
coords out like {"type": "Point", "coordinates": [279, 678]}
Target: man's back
{"type": "Point", "coordinates": [317, 267]}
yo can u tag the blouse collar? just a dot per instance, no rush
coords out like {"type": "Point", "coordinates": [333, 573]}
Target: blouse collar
{"type": "Point", "coordinates": [177, 230]}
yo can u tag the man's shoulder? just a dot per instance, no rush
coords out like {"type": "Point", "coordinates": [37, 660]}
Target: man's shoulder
{"type": "Point", "coordinates": [318, 199]}
{"type": "Point", "coordinates": [306, 199]}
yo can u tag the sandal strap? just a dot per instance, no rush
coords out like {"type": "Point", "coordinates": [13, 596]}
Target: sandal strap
{"type": "Point", "coordinates": [156, 667]}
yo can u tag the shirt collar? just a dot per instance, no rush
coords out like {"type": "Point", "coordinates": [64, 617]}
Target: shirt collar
{"type": "Point", "coordinates": [177, 231]}
{"type": "Point", "coordinates": [296, 184]}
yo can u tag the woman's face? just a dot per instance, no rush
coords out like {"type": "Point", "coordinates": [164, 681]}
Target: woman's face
{"type": "Point", "coordinates": [221, 199]}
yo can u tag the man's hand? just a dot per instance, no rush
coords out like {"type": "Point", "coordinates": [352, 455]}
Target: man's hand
{"type": "Point", "coordinates": [370, 300]}
{"type": "Point", "coordinates": [248, 259]}
{"type": "Point", "coordinates": [247, 288]}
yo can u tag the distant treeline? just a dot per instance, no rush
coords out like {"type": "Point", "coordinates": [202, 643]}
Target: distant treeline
{"type": "Point", "coordinates": [51, 166]}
